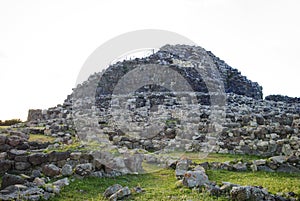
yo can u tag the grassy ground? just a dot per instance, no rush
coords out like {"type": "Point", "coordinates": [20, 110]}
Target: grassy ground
{"type": "Point", "coordinates": [40, 138]}
{"type": "Point", "coordinates": [157, 186]}
{"type": "Point", "coordinates": [160, 185]}
{"type": "Point", "coordinates": [3, 127]}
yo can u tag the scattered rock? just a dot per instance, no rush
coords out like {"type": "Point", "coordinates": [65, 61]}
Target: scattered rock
{"type": "Point", "coordinates": [111, 190]}
{"type": "Point", "coordinates": [182, 166]}
{"type": "Point", "coordinates": [62, 182]}
{"type": "Point", "coordinates": [67, 170]}
{"type": "Point", "coordinates": [120, 194]}
{"type": "Point", "coordinates": [51, 170]}
{"type": "Point", "coordinates": [38, 158]}
{"type": "Point", "coordinates": [248, 193]}
{"type": "Point", "coordinates": [84, 169]}
{"type": "Point", "coordinates": [195, 179]}
{"type": "Point", "coordinates": [39, 182]}
{"type": "Point", "coordinates": [9, 179]}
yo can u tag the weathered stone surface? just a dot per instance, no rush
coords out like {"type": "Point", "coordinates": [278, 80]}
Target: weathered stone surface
{"type": "Point", "coordinates": [11, 154]}
{"type": "Point", "coordinates": [67, 170]}
{"type": "Point", "coordinates": [278, 159]}
{"type": "Point", "coordinates": [51, 170]}
{"type": "Point", "coordinates": [182, 167]}
{"type": "Point", "coordinates": [38, 158]}
{"type": "Point", "coordinates": [58, 156]}
{"type": "Point", "coordinates": [120, 194]}
{"type": "Point", "coordinates": [75, 155]}
{"type": "Point", "coordinates": [14, 141]}
{"type": "Point", "coordinates": [5, 165]}
{"type": "Point", "coordinates": [111, 190]}
{"type": "Point", "coordinates": [62, 182]}
{"type": "Point", "coordinates": [2, 139]}
{"type": "Point", "coordinates": [5, 147]}
{"type": "Point", "coordinates": [39, 182]}
{"type": "Point", "coordinates": [9, 179]}
{"type": "Point", "coordinates": [248, 193]}
{"type": "Point", "coordinates": [134, 163]}
{"type": "Point", "coordinates": [287, 168]}
{"type": "Point", "coordinates": [84, 169]}
{"type": "Point", "coordinates": [240, 166]}
{"type": "Point", "coordinates": [195, 179]}
{"type": "Point", "coordinates": [22, 165]}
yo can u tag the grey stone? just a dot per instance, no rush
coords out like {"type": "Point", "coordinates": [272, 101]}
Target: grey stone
{"type": "Point", "coordinates": [13, 153]}
{"type": "Point", "coordinates": [9, 179]}
{"type": "Point", "coordinates": [67, 170]}
{"type": "Point", "coordinates": [259, 162]}
{"type": "Point", "coordinates": [240, 166]}
{"type": "Point", "coordinates": [39, 182]}
{"type": "Point", "coordinates": [22, 165]}
{"type": "Point", "coordinates": [38, 158]}
{"type": "Point", "coordinates": [62, 182]}
{"type": "Point", "coordinates": [248, 193]}
{"type": "Point", "coordinates": [5, 165]}
{"type": "Point", "coordinates": [265, 168]}
{"type": "Point", "coordinates": [134, 163]}
{"type": "Point", "coordinates": [84, 169]}
{"type": "Point", "coordinates": [75, 155]}
{"type": "Point", "coordinates": [52, 188]}
{"type": "Point", "coordinates": [36, 173]}
{"type": "Point", "coordinates": [58, 156]}
{"type": "Point", "coordinates": [2, 139]}
{"type": "Point", "coordinates": [120, 194]}
{"type": "Point", "coordinates": [51, 170]}
{"type": "Point", "coordinates": [182, 167]}
{"type": "Point", "coordinates": [287, 168]}
{"type": "Point", "coordinates": [111, 190]}
{"type": "Point", "coordinates": [278, 159]}
{"type": "Point", "coordinates": [195, 179]}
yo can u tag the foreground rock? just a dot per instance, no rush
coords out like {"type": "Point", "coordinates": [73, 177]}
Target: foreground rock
{"type": "Point", "coordinates": [195, 179]}
{"type": "Point", "coordinates": [116, 192]}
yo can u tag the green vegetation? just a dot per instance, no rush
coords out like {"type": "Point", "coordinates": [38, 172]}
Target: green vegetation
{"type": "Point", "coordinates": [212, 157]}
{"type": "Point", "coordinates": [40, 138]}
{"type": "Point", "coordinates": [274, 182]}
{"type": "Point", "coordinates": [4, 127]}
{"type": "Point", "coordinates": [10, 122]}
{"type": "Point", "coordinates": [158, 186]}
{"type": "Point", "coordinates": [161, 184]}
{"type": "Point", "coordinates": [172, 122]}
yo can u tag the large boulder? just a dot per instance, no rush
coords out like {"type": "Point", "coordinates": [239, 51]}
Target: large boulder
{"type": "Point", "coordinates": [120, 194]}
{"type": "Point", "coordinates": [5, 165]}
{"type": "Point", "coordinates": [38, 158]}
{"type": "Point", "coordinates": [249, 193]}
{"type": "Point", "coordinates": [9, 179]}
{"type": "Point", "coordinates": [182, 166]}
{"type": "Point", "coordinates": [111, 190]}
{"type": "Point", "coordinates": [67, 170]}
{"type": "Point", "coordinates": [195, 179]}
{"type": "Point", "coordinates": [51, 170]}
{"type": "Point", "coordinates": [84, 169]}
{"type": "Point", "coordinates": [58, 156]}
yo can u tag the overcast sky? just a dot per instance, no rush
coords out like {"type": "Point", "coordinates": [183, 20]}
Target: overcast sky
{"type": "Point", "coordinates": [43, 44]}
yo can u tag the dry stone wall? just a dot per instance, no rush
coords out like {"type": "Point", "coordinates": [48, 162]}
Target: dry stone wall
{"type": "Point", "coordinates": [251, 125]}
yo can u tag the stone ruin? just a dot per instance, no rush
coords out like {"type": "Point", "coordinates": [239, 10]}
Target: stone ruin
{"type": "Point", "coordinates": [220, 111]}
{"type": "Point", "coordinates": [250, 125]}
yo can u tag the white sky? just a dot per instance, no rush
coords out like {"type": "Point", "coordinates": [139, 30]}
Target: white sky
{"type": "Point", "coordinates": [43, 44]}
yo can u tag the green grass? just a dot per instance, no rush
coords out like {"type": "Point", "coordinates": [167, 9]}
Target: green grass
{"type": "Point", "coordinates": [40, 138]}
{"type": "Point", "coordinates": [160, 185]}
{"type": "Point", "coordinates": [4, 127]}
{"type": "Point", "coordinates": [274, 182]}
{"type": "Point", "coordinates": [212, 157]}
